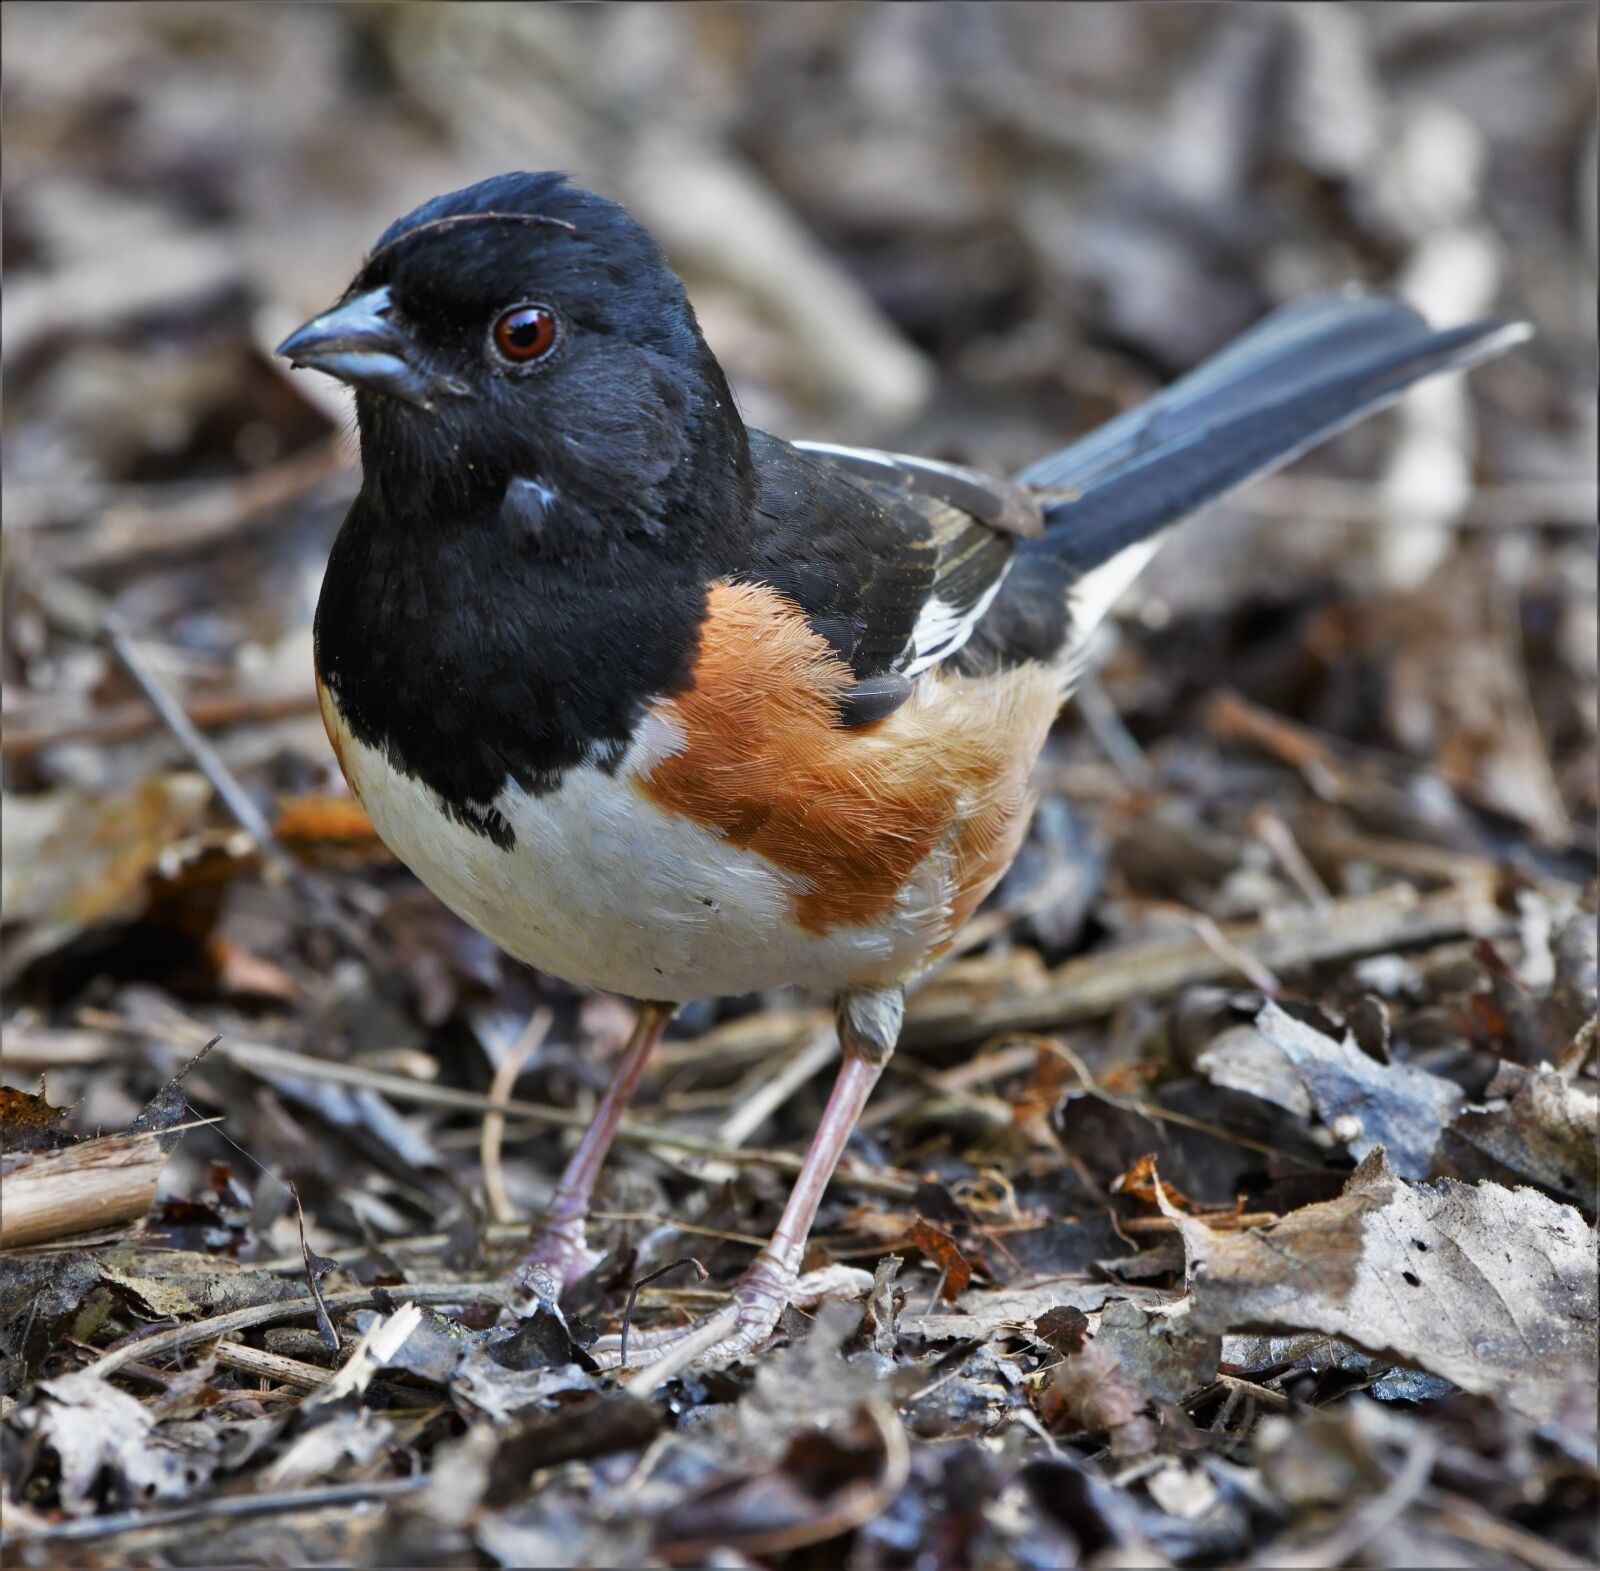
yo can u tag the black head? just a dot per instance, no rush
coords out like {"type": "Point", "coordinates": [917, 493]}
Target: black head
{"type": "Point", "coordinates": [522, 345]}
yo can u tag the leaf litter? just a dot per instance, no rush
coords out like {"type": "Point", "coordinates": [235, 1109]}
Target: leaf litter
{"type": "Point", "coordinates": [1232, 1198]}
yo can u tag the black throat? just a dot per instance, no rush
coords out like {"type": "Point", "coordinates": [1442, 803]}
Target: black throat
{"type": "Point", "coordinates": [482, 627]}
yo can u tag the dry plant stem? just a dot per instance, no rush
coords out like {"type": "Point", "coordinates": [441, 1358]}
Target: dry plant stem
{"type": "Point", "coordinates": [1365, 1523]}
{"type": "Point", "coordinates": [494, 1121]}
{"type": "Point", "coordinates": [271, 1366]}
{"type": "Point", "coordinates": [216, 1509]}
{"type": "Point", "coordinates": [497, 1233]}
{"type": "Point", "coordinates": [1096, 985]}
{"type": "Point", "coordinates": [94, 1184]}
{"type": "Point", "coordinates": [145, 535]}
{"type": "Point", "coordinates": [561, 1242]}
{"type": "Point", "coordinates": [123, 722]}
{"type": "Point", "coordinates": [264, 1059]}
{"type": "Point", "coordinates": [1461, 1518]}
{"type": "Point", "coordinates": [945, 1010]}
{"type": "Point", "coordinates": [84, 604]}
{"type": "Point", "coordinates": [218, 1326]}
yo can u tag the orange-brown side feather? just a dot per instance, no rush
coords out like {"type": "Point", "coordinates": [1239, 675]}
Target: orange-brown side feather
{"type": "Point", "coordinates": [335, 727]}
{"type": "Point", "coordinates": [853, 813]}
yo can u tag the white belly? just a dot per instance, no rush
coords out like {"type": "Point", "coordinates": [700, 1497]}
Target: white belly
{"type": "Point", "coordinates": [606, 890]}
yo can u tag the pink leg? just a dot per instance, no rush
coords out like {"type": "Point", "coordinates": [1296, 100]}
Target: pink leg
{"type": "Point", "coordinates": [773, 1280]}
{"type": "Point", "coordinates": [560, 1246]}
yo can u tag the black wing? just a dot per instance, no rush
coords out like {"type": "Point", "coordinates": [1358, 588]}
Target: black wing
{"type": "Point", "coordinates": [893, 576]}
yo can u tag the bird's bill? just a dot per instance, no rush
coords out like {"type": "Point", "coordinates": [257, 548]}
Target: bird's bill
{"type": "Point", "coordinates": [360, 342]}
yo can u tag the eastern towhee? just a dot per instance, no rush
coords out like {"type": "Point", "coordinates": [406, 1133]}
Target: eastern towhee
{"type": "Point", "coordinates": [671, 707]}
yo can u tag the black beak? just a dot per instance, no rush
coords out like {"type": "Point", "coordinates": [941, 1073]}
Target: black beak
{"type": "Point", "coordinates": [360, 343]}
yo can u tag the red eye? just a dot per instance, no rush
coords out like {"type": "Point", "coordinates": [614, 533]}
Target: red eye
{"type": "Point", "coordinates": [525, 333]}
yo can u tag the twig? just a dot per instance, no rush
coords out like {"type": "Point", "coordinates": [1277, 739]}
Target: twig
{"type": "Point", "coordinates": [131, 534]}
{"type": "Point", "coordinates": [106, 1181]}
{"type": "Point", "coordinates": [316, 1265]}
{"type": "Point", "coordinates": [260, 1058]}
{"type": "Point", "coordinates": [1461, 1518]}
{"type": "Point", "coordinates": [123, 722]}
{"type": "Point", "coordinates": [508, 1233]}
{"type": "Point", "coordinates": [1280, 841]}
{"type": "Point", "coordinates": [89, 614]}
{"type": "Point", "coordinates": [1108, 729]}
{"type": "Point", "coordinates": [776, 1089]}
{"type": "Point", "coordinates": [218, 1326]}
{"type": "Point", "coordinates": [1248, 1389]}
{"type": "Point", "coordinates": [271, 1366]}
{"type": "Point", "coordinates": [683, 1353]}
{"type": "Point", "coordinates": [1364, 1524]}
{"type": "Point", "coordinates": [217, 1508]}
{"type": "Point", "coordinates": [494, 1119]}
{"type": "Point", "coordinates": [317, 895]}
{"type": "Point", "coordinates": [700, 1273]}
{"type": "Point", "coordinates": [1097, 985]}
{"type": "Point", "coordinates": [1162, 1114]}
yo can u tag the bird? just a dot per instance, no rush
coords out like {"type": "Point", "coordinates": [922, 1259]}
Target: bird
{"type": "Point", "coordinates": [670, 707]}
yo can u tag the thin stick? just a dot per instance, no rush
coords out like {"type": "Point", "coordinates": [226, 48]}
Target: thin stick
{"type": "Point", "coordinates": [700, 1274]}
{"type": "Point", "coordinates": [263, 1059]}
{"type": "Point", "coordinates": [494, 1118]}
{"type": "Point", "coordinates": [1095, 985]}
{"type": "Point", "coordinates": [271, 1366]}
{"type": "Point", "coordinates": [317, 895]}
{"type": "Point", "coordinates": [683, 1353]}
{"type": "Point", "coordinates": [754, 1111]}
{"type": "Point", "coordinates": [216, 1509]}
{"type": "Point", "coordinates": [506, 1233]}
{"type": "Point", "coordinates": [218, 1326]}
{"type": "Point", "coordinates": [123, 722]}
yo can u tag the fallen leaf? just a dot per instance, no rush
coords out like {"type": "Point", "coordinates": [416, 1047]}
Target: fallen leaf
{"type": "Point", "coordinates": [955, 1270]}
{"type": "Point", "coordinates": [1491, 1288]}
{"type": "Point", "coordinates": [1364, 1104]}
{"type": "Point", "coordinates": [324, 819]}
{"type": "Point", "coordinates": [95, 1429]}
{"type": "Point", "coordinates": [1090, 1391]}
{"type": "Point", "coordinates": [72, 859]}
{"type": "Point", "coordinates": [1157, 1351]}
{"type": "Point", "coordinates": [1538, 1126]}
{"type": "Point", "coordinates": [1065, 1329]}
{"type": "Point", "coordinates": [29, 1123]}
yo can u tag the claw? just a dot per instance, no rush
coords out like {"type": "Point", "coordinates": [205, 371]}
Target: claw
{"type": "Point", "coordinates": [757, 1304]}
{"type": "Point", "coordinates": [558, 1258]}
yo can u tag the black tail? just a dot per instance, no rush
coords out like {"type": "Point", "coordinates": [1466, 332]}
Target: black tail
{"type": "Point", "coordinates": [1292, 381]}
{"type": "Point", "coordinates": [1295, 379]}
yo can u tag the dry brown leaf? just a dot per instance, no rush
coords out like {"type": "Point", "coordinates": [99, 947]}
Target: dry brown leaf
{"type": "Point", "coordinates": [1491, 1288]}
{"type": "Point", "coordinates": [324, 819]}
{"type": "Point", "coordinates": [1544, 1131]}
{"type": "Point", "coordinates": [75, 858]}
{"type": "Point", "coordinates": [942, 1249]}
{"type": "Point", "coordinates": [29, 1123]}
{"type": "Point", "coordinates": [1091, 1391]}
{"type": "Point", "coordinates": [1365, 1104]}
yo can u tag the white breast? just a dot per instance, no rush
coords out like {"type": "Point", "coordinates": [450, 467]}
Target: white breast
{"type": "Point", "coordinates": [606, 890]}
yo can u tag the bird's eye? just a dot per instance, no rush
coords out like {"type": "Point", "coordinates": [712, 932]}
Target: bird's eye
{"type": "Point", "coordinates": [525, 333]}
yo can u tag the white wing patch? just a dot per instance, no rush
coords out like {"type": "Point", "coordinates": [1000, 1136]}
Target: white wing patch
{"type": "Point", "coordinates": [942, 628]}
{"type": "Point", "coordinates": [1093, 595]}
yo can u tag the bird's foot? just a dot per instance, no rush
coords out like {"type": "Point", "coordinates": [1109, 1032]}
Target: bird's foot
{"type": "Point", "coordinates": [558, 1257]}
{"type": "Point", "coordinates": [750, 1317]}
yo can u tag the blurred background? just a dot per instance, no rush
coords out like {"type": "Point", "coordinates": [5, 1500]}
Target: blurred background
{"type": "Point", "coordinates": [973, 231]}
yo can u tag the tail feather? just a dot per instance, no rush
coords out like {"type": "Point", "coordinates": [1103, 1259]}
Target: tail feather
{"type": "Point", "coordinates": [1294, 380]}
